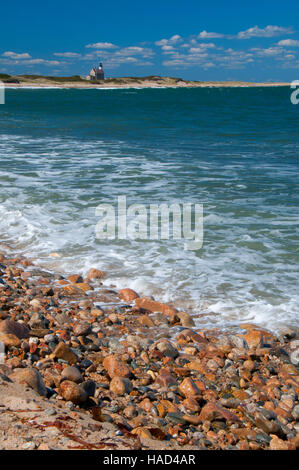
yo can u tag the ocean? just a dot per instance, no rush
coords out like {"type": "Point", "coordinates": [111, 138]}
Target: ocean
{"type": "Point", "coordinates": [234, 150]}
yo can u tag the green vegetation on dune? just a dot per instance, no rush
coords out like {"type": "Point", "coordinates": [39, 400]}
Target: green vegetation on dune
{"type": "Point", "coordinates": [4, 76]}
{"type": "Point", "coordinates": [73, 78]}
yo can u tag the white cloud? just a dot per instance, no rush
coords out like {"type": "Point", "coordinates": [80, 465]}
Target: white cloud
{"type": "Point", "coordinates": [43, 62]}
{"type": "Point", "coordinates": [135, 50]}
{"type": "Point", "coordinates": [206, 45]}
{"type": "Point", "coordinates": [102, 45]}
{"type": "Point", "coordinates": [167, 48]}
{"type": "Point", "coordinates": [168, 42]}
{"type": "Point", "coordinates": [72, 55]}
{"type": "Point", "coordinates": [267, 32]}
{"type": "Point", "coordinates": [270, 51]}
{"type": "Point", "coordinates": [15, 55]}
{"type": "Point", "coordinates": [205, 35]}
{"type": "Point", "coordinates": [288, 42]}
{"type": "Point", "coordinates": [12, 61]}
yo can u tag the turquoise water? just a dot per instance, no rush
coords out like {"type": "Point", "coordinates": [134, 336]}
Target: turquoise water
{"type": "Point", "coordinates": [63, 152]}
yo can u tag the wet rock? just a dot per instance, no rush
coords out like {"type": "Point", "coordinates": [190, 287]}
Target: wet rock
{"type": "Point", "coordinates": [238, 342]}
{"type": "Point", "coordinates": [254, 338]}
{"type": "Point", "coordinates": [81, 329]}
{"type": "Point", "coordinates": [145, 320]}
{"type": "Point", "coordinates": [269, 427]}
{"type": "Point", "coordinates": [89, 387]}
{"type": "Point", "coordinates": [287, 333]}
{"type": "Point", "coordinates": [185, 319]}
{"type": "Point", "coordinates": [95, 274]}
{"type": "Point", "coordinates": [213, 411]}
{"type": "Point", "coordinates": [176, 417]}
{"type": "Point", "coordinates": [14, 328]}
{"type": "Point", "coordinates": [62, 351]}
{"type": "Point", "coordinates": [72, 392]}
{"type": "Point", "coordinates": [84, 286]}
{"type": "Point", "coordinates": [189, 389]}
{"type": "Point", "coordinates": [115, 367]}
{"type": "Point", "coordinates": [73, 374]}
{"type": "Point", "coordinates": [151, 305]}
{"type": "Point", "coordinates": [127, 295]}
{"type": "Point", "coordinates": [49, 338]}
{"type": "Point", "coordinates": [165, 379]}
{"type": "Point", "coordinates": [294, 356]}
{"type": "Point", "coordinates": [10, 341]}
{"type": "Point", "coordinates": [167, 349]}
{"type": "Point", "coordinates": [75, 278]}
{"type": "Point", "coordinates": [191, 404]}
{"type": "Point", "coordinates": [30, 377]}
{"type": "Point", "coordinates": [37, 321]}
{"type": "Point", "coordinates": [121, 386]}
{"type": "Point", "coordinates": [72, 289]}
{"type": "Point", "coordinates": [295, 413]}
{"type": "Point", "coordinates": [130, 412]}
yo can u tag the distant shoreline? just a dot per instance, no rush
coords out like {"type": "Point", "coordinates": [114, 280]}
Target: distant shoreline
{"type": "Point", "coordinates": [153, 81]}
{"type": "Point", "coordinates": [145, 85]}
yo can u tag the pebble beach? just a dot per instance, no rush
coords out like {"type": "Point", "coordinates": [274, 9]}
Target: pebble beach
{"type": "Point", "coordinates": [91, 367]}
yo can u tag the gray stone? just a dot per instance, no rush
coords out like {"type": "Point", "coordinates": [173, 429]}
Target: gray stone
{"type": "Point", "coordinates": [295, 412]}
{"type": "Point", "coordinates": [72, 373]}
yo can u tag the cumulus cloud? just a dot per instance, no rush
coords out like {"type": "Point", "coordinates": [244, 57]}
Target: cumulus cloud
{"type": "Point", "coordinates": [15, 55]}
{"type": "Point", "coordinates": [267, 32]}
{"type": "Point", "coordinates": [205, 35]}
{"type": "Point", "coordinates": [288, 42]}
{"type": "Point", "coordinates": [168, 42]}
{"type": "Point", "coordinates": [102, 45]}
{"type": "Point", "coordinates": [134, 50]}
{"type": "Point", "coordinates": [43, 62]}
{"type": "Point", "coordinates": [267, 52]}
{"type": "Point", "coordinates": [72, 55]}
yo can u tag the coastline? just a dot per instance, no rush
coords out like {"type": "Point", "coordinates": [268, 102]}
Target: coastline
{"type": "Point", "coordinates": [145, 375]}
{"type": "Point", "coordinates": [136, 85]}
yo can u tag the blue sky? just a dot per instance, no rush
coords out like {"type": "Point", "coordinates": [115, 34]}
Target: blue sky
{"type": "Point", "coordinates": [216, 40]}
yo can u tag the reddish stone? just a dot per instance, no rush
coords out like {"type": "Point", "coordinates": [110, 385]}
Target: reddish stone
{"type": "Point", "coordinates": [146, 405]}
{"type": "Point", "coordinates": [10, 340]}
{"type": "Point", "coordinates": [72, 289]}
{"type": "Point", "coordinates": [127, 295]}
{"type": "Point", "coordinates": [75, 278]}
{"type": "Point", "coordinates": [14, 328]}
{"type": "Point", "coordinates": [151, 305]}
{"type": "Point", "coordinates": [95, 274]}
{"type": "Point", "coordinates": [165, 379]}
{"type": "Point", "coordinates": [145, 320]}
{"type": "Point", "coordinates": [254, 338]}
{"type": "Point", "coordinates": [213, 411]}
{"type": "Point", "coordinates": [72, 392]}
{"type": "Point", "coordinates": [84, 286]}
{"type": "Point", "coordinates": [188, 388]}
{"type": "Point", "coordinates": [191, 405]}
{"type": "Point", "coordinates": [121, 386]}
{"type": "Point", "coordinates": [62, 351]}
{"type": "Point", "coordinates": [115, 367]}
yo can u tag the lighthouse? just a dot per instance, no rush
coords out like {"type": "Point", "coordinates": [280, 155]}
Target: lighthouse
{"type": "Point", "coordinates": [96, 73]}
